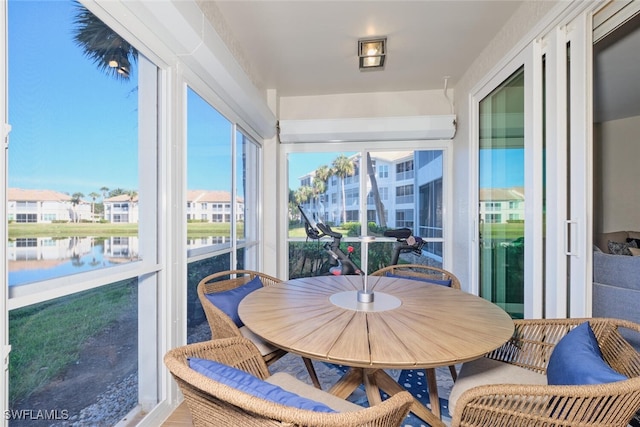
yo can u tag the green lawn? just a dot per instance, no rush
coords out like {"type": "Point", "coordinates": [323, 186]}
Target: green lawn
{"type": "Point", "coordinates": [47, 337]}
{"type": "Point", "coordinates": [510, 231]}
{"type": "Point", "coordinates": [194, 230]}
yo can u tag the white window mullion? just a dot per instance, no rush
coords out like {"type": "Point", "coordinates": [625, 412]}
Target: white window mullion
{"type": "Point", "coordinates": [232, 202]}
{"type": "Point", "coordinates": [148, 359]}
{"type": "Point", "coordinates": [4, 329]}
{"type": "Point", "coordinates": [580, 164]}
{"type": "Point", "coordinates": [533, 259]}
{"type": "Point", "coordinates": [556, 137]}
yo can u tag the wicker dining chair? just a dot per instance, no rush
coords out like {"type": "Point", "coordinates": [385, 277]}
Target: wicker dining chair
{"type": "Point", "coordinates": [420, 272]}
{"type": "Point", "coordinates": [430, 274]}
{"type": "Point", "coordinates": [215, 404]}
{"type": "Point", "coordinates": [612, 404]}
{"type": "Point", "coordinates": [222, 326]}
{"type": "Point", "coordinates": [427, 273]}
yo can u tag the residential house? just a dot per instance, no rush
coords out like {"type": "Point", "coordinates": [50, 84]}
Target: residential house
{"type": "Point", "coordinates": [121, 208]}
{"type": "Point", "coordinates": [45, 206]}
{"type": "Point", "coordinates": [213, 206]}
{"type": "Point", "coordinates": [501, 205]}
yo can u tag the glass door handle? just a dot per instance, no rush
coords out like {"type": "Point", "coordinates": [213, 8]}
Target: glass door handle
{"type": "Point", "coordinates": [567, 237]}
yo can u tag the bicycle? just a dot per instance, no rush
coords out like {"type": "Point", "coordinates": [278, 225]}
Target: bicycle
{"type": "Point", "coordinates": [340, 263]}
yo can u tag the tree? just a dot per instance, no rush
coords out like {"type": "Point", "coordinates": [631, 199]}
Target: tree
{"type": "Point", "coordinates": [110, 52]}
{"type": "Point", "coordinates": [105, 192]}
{"type": "Point", "coordinates": [303, 194]}
{"type": "Point", "coordinates": [76, 199]}
{"type": "Point", "coordinates": [376, 192]}
{"type": "Point", "coordinates": [117, 192]}
{"type": "Point", "coordinates": [320, 180]}
{"type": "Point", "coordinates": [343, 167]}
{"type": "Point", "coordinates": [93, 196]}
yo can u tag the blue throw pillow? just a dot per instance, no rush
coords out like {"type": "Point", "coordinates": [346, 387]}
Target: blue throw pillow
{"type": "Point", "coordinates": [422, 279]}
{"type": "Point", "coordinates": [228, 301]}
{"type": "Point", "coordinates": [577, 360]}
{"type": "Point", "coordinates": [253, 385]}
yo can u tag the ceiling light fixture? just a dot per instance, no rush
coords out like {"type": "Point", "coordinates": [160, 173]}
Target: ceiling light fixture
{"type": "Point", "coordinates": [372, 53]}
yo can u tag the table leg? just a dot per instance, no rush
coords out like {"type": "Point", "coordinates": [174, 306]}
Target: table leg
{"type": "Point", "coordinates": [433, 391]}
{"type": "Point", "coordinates": [391, 387]}
{"type": "Point", "coordinates": [348, 383]}
{"type": "Point", "coordinates": [371, 387]}
{"type": "Point", "coordinates": [312, 372]}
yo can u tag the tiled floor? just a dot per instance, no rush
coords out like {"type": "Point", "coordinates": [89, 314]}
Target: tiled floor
{"type": "Point", "coordinates": [180, 417]}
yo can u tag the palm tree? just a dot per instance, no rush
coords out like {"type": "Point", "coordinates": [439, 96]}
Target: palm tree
{"type": "Point", "coordinates": [76, 199]}
{"type": "Point", "coordinates": [376, 193]}
{"type": "Point", "coordinates": [320, 180]}
{"type": "Point", "coordinates": [110, 52]}
{"type": "Point", "coordinates": [93, 196]}
{"type": "Point", "coordinates": [303, 194]}
{"type": "Point", "coordinates": [117, 192]}
{"type": "Point", "coordinates": [104, 191]}
{"type": "Point", "coordinates": [342, 168]}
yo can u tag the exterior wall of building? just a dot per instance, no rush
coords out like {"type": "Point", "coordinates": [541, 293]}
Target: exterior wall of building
{"type": "Point", "coordinates": [398, 184]}
{"type": "Point", "coordinates": [47, 211]}
{"type": "Point", "coordinates": [213, 211]}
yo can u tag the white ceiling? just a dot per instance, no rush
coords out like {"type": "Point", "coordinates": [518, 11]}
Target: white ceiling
{"type": "Point", "coordinates": [309, 47]}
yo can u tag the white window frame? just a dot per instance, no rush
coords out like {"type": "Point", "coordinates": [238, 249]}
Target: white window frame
{"type": "Point", "coordinates": [362, 147]}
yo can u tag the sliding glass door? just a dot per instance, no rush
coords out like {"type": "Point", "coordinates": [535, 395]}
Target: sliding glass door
{"type": "Point", "coordinates": [534, 178]}
{"type": "Point", "coordinates": [502, 195]}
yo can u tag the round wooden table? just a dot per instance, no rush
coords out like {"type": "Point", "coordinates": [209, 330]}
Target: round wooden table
{"type": "Point", "coordinates": [410, 324]}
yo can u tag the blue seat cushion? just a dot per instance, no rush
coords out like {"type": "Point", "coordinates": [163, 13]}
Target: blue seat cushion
{"type": "Point", "coordinates": [253, 385]}
{"type": "Point", "coordinates": [228, 301]}
{"type": "Point", "coordinates": [422, 279]}
{"type": "Point", "coordinates": [577, 360]}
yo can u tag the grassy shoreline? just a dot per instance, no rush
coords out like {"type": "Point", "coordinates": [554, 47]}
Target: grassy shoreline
{"type": "Point", "coordinates": [194, 230]}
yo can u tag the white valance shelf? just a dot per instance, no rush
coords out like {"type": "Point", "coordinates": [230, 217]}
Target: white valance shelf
{"type": "Point", "coordinates": [368, 129]}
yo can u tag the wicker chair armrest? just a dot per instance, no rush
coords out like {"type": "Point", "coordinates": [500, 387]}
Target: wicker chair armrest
{"type": "Point", "coordinates": [220, 324]}
{"type": "Point", "coordinates": [533, 342]}
{"type": "Point", "coordinates": [213, 404]}
{"type": "Point", "coordinates": [612, 404]}
{"type": "Point", "coordinates": [238, 352]}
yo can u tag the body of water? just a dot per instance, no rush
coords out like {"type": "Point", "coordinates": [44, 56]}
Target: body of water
{"type": "Point", "coordinates": [41, 258]}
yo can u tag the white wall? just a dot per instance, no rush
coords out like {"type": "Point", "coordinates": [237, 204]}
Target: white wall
{"type": "Point", "coordinates": [359, 105]}
{"type": "Point", "coordinates": [617, 199]}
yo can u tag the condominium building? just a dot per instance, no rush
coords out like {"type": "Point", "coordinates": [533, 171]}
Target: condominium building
{"type": "Point", "coordinates": [44, 206]}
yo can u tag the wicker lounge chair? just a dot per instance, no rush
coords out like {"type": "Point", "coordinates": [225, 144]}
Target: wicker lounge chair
{"type": "Point", "coordinates": [612, 404]}
{"type": "Point", "coordinates": [213, 403]}
{"type": "Point", "coordinates": [222, 326]}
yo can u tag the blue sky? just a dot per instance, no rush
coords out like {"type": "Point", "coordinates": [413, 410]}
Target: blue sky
{"type": "Point", "coordinates": [302, 163]}
{"type": "Point", "coordinates": [74, 129]}
{"type": "Point", "coordinates": [509, 169]}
